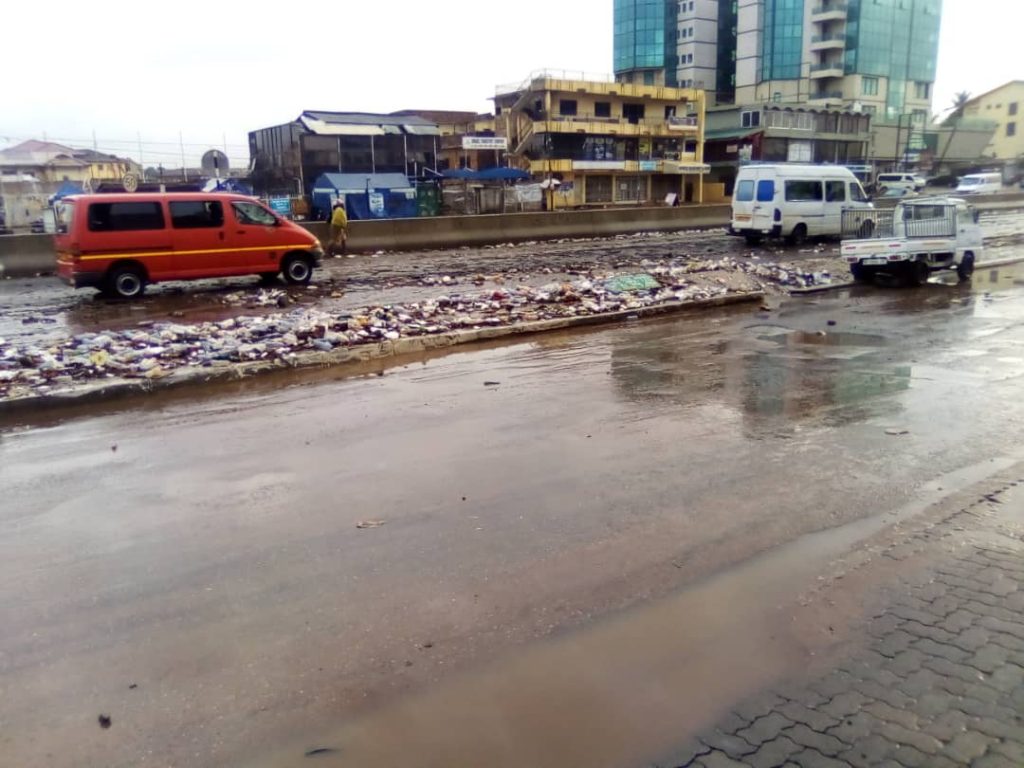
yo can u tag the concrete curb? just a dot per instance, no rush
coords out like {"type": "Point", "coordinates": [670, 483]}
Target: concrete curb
{"type": "Point", "coordinates": [120, 388]}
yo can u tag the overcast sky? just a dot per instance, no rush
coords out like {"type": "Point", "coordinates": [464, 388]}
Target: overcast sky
{"type": "Point", "coordinates": [213, 70]}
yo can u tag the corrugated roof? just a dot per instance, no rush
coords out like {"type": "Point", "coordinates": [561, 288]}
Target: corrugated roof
{"type": "Point", "coordinates": [358, 182]}
{"type": "Point", "coordinates": [364, 124]}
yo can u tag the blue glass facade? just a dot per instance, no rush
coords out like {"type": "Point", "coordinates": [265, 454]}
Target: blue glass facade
{"type": "Point", "coordinates": [640, 34]}
{"type": "Point", "coordinates": [897, 39]}
{"type": "Point", "coordinates": [783, 39]}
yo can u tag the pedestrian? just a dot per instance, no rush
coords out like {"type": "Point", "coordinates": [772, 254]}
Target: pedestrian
{"type": "Point", "coordinates": [339, 228]}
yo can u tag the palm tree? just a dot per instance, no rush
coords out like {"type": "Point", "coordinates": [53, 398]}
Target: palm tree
{"type": "Point", "coordinates": [953, 118]}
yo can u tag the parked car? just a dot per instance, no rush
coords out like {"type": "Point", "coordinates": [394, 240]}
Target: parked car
{"type": "Point", "coordinates": [120, 243]}
{"type": "Point", "coordinates": [980, 184]}
{"type": "Point", "coordinates": [897, 193]}
{"type": "Point", "coordinates": [886, 181]}
{"type": "Point", "coordinates": [38, 227]}
{"type": "Point", "coordinates": [793, 201]}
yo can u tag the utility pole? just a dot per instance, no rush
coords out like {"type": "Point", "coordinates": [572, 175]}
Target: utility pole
{"type": "Point", "coordinates": [181, 145]}
{"type": "Point", "coordinates": [142, 164]}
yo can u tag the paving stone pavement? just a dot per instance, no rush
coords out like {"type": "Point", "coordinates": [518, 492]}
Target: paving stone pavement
{"type": "Point", "coordinates": [938, 681]}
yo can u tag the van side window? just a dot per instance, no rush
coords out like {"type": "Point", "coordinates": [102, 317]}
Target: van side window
{"type": "Point", "coordinates": [196, 214]}
{"type": "Point", "coordinates": [125, 217]}
{"type": "Point", "coordinates": [745, 191]}
{"type": "Point", "coordinates": [765, 191]}
{"type": "Point", "coordinates": [803, 191]}
{"type": "Point", "coordinates": [857, 193]}
{"type": "Point", "coordinates": [251, 213]}
{"type": "Point", "coordinates": [835, 192]}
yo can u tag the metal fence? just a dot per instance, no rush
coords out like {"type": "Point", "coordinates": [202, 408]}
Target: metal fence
{"type": "Point", "coordinates": [915, 221]}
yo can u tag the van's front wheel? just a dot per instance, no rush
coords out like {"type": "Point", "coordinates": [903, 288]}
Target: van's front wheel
{"type": "Point", "coordinates": [127, 282]}
{"type": "Point", "coordinates": [297, 270]}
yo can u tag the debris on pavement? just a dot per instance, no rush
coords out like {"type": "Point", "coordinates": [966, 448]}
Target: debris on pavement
{"type": "Point", "coordinates": [897, 431]}
{"type": "Point", "coordinates": [371, 523]}
{"type": "Point", "coordinates": [154, 349]}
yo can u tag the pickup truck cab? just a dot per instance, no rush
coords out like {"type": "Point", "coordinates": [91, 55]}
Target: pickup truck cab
{"type": "Point", "coordinates": [919, 236]}
{"type": "Point", "coordinates": [119, 243]}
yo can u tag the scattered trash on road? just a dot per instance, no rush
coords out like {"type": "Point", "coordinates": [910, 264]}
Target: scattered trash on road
{"type": "Point", "coordinates": [370, 523]}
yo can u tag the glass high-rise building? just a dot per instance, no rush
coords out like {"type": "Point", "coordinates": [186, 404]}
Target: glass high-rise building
{"type": "Point", "coordinates": [641, 32]}
{"type": "Point", "coordinates": [879, 55]}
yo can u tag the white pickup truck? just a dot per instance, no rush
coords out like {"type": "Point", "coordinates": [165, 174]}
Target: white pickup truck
{"type": "Point", "coordinates": [917, 237]}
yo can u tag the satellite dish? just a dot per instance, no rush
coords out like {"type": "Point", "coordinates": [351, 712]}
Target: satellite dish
{"type": "Point", "coordinates": [215, 163]}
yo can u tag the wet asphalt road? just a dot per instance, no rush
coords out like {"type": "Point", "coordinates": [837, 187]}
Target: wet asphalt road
{"type": "Point", "coordinates": [191, 565]}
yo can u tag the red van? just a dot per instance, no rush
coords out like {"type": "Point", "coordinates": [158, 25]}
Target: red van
{"type": "Point", "coordinates": [119, 243]}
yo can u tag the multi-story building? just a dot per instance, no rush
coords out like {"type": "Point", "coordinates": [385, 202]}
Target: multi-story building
{"type": "Point", "coordinates": [288, 158]}
{"type": "Point", "coordinates": [55, 163]}
{"type": "Point", "coordinates": [876, 55]}
{"type": "Point", "coordinates": [605, 142]}
{"type": "Point", "coordinates": [1003, 106]}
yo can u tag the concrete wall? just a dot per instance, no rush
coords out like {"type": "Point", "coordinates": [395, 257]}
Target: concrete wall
{"type": "Point", "coordinates": [22, 255]}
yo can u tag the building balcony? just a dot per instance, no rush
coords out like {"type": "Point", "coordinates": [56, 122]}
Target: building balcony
{"type": "Point", "coordinates": [684, 162]}
{"type": "Point", "coordinates": [828, 12]}
{"type": "Point", "coordinates": [616, 126]}
{"type": "Point", "coordinates": [831, 41]}
{"type": "Point", "coordinates": [824, 98]}
{"type": "Point", "coordinates": [827, 69]}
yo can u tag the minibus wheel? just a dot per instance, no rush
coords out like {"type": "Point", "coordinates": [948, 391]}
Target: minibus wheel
{"type": "Point", "coordinates": [965, 268]}
{"type": "Point", "coordinates": [126, 282]}
{"type": "Point", "coordinates": [297, 270]}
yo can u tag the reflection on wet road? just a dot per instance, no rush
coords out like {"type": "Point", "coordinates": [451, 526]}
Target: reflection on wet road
{"type": "Point", "coordinates": [193, 568]}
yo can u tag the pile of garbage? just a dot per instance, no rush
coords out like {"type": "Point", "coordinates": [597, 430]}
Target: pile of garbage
{"type": "Point", "coordinates": [155, 350]}
{"type": "Point", "coordinates": [779, 274]}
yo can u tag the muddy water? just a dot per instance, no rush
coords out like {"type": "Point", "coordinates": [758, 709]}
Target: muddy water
{"type": "Point", "coordinates": [204, 548]}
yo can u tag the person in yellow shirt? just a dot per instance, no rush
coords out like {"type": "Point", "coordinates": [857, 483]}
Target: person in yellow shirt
{"type": "Point", "coordinates": [339, 229]}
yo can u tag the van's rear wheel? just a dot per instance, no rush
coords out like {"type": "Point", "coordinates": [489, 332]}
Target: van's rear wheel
{"type": "Point", "coordinates": [861, 273]}
{"type": "Point", "coordinates": [965, 268]}
{"type": "Point", "coordinates": [127, 282]}
{"type": "Point", "coordinates": [917, 273]}
{"type": "Point", "coordinates": [753, 240]}
{"type": "Point", "coordinates": [798, 236]}
{"type": "Point", "coordinates": [297, 270]}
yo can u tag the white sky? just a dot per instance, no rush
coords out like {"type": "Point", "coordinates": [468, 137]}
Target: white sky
{"type": "Point", "coordinates": [214, 70]}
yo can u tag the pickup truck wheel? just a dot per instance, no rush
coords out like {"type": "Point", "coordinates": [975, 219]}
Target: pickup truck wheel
{"type": "Point", "coordinates": [965, 268]}
{"type": "Point", "coordinates": [917, 273]}
{"type": "Point", "coordinates": [861, 273]}
{"type": "Point", "coordinates": [298, 270]}
{"type": "Point", "coordinates": [127, 282]}
{"type": "Point", "coordinates": [798, 236]}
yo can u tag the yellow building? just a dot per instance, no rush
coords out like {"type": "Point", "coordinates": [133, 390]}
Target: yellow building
{"type": "Point", "coordinates": [50, 162]}
{"type": "Point", "coordinates": [1005, 107]}
{"type": "Point", "coordinates": [600, 143]}
{"type": "Point", "coordinates": [466, 139]}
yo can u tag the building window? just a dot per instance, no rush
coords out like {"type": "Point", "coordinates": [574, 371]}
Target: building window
{"type": "Point", "coordinates": [870, 109]}
{"type": "Point", "coordinates": [630, 188]}
{"type": "Point", "coordinates": [1011, 108]}
{"type": "Point", "coordinates": [648, 78]}
{"type": "Point", "coordinates": [1011, 129]}
{"type": "Point", "coordinates": [750, 119]}
{"type": "Point", "coordinates": [922, 90]}
{"type": "Point", "coordinates": [599, 189]}
{"type": "Point", "coordinates": [603, 109]}
{"type": "Point", "coordinates": [919, 117]}
{"type": "Point", "coordinates": [869, 86]}
{"type": "Point", "coordinates": [567, 107]}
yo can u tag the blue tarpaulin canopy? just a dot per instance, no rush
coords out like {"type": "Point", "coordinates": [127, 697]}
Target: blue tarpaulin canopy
{"type": "Point", "coordinates": [366, 195]}
{"type": "Point", "coordinates": [491, 174]}
{"type": "Point", "coordinates": [67, 188]}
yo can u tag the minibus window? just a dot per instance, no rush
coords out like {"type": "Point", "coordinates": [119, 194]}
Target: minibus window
{"type": "Point", "coordinates": [835, 192]}
{"type": "Point", "coordinates": [803, 191]}
{"type": "Point", "coordinates": [765, 191]}
{"type": "Point", "coordinates": [745, 191]}
{"type": "Point", "coordinates": [857, 193]}
{"type": "Point", "coordinates": [125, 217]}
{"type": "Point", "coordinates": [196, 214]}
{"type": "Point", "coordinates": [65, 212]}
